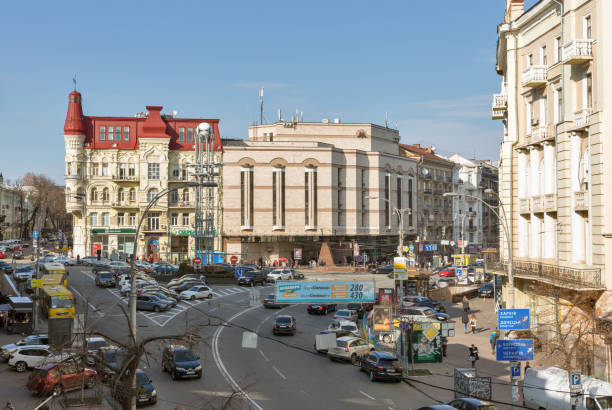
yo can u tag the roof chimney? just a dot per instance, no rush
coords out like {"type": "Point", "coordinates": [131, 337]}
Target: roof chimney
{"type": "Point", "coordinates": [154, 125]}
{"type": "Point", "coordinates": [514, 9]}
{"type": "Point", "coordinates": [74, 118]}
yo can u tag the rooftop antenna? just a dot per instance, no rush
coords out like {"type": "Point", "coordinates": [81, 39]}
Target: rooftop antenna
{"type": "Point", "coordinates": [261, 106]}
{"type": "Point", "coordinates": [74, 81]}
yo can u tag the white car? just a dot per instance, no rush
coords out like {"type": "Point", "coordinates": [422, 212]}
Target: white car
{"type": "Point", "coordinates": [350, 349]}
{"type": "Point", "coordinates": [126, 287]}
{"type": "Point", "coordinates": [279, 274]}
{"type": "Point", "coordinates": [344, 325]}
{"type": "Point", "coordinates": [346, 314]}
{"type": "Point", "coordinates": [27, 357]}
{"type": "Point", "coordinates": [196, 292]}
{"type": "Point", "coordinates": [24, 272]}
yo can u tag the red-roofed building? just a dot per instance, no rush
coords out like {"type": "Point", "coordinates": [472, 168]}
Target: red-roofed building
{"type": "Point", "coordinates": [114, 165]}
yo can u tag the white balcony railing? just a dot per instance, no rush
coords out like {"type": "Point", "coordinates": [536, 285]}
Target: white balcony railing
{"type": "Point", "coordinates": [524, 206]}
{"type": "Point", "coordinates": [578, 51]}
{"type": "Point", "coordinates": [550, 202]}
{"type": "Point", "coordinates": [581, 201]}
{"type": "Point", "coordinates": [537, 203]}
{"type": "Point", "coordinates": [538, 133]}
{"type": "Point", "coordinates": [499, 107]}
{"type": "Point", "coordinates": [582, 117]}
{"type": "Point", "coordinates": [534, 76]}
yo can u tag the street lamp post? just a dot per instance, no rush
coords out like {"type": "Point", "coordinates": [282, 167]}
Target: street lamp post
{"type": "Point", "coordinates": [507, 232]}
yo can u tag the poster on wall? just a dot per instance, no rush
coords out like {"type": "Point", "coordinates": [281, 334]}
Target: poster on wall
{"type": "Point", "coordinates": [95, 247]}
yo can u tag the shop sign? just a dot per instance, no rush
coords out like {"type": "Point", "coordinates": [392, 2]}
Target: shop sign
{"type": "Point", "coordinates": [113, 230]}
{"type": "Point", "coordinates": [183, 232]}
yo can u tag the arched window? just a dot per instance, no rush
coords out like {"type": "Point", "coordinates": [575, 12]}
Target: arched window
{"type": "Point", "coordinates": [151, 194]}
{"type": "Point", "coordinates": [105, 195]}
{"type": "Point", "coordinates": [132, 195]}
{"type": "Point", "coordinates": [186, 195]}
{"type": "Point", "coordinates": [94, 194]}
{"type": "Point", "coordinates": [121, 195]}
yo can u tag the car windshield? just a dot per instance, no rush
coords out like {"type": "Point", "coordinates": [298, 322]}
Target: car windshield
{"type": "Point", "coordinates": [270, 296]}
{"type": "Point", "coordinates": [25, 269]}
{"type": "Point", "coordinates": [96, 344]}
{"type": "Point", "coordinates": [184, 356]}
{"type": "Point", "coordinates": [387, 362]}
{"type": "Point", "coordinates": [283, 320]}
{"type": "Point", "coordinates": [61, 302]}
{"type": "Point", "coordinates": [343, 313]}
{"type": "Point", "coordinates": [142, 379]}
{"type": "Point", "coordinates": [350, 328]}
{"type": "Point", "coordinates": [106, 276]}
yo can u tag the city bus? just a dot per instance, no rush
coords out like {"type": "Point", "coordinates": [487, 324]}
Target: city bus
{"type": "Point", "coordinates": [53, 279]}
{"type": "Point", "coordinates": [53, 267]}
{"type": "Point", "coordinates": [57, 302]}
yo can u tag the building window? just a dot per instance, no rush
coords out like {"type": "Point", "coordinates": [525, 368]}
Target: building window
{"type": "Point", "coordinates": [153, 171]}
{"type": "Point", "coordinates": [587, 28]}
{"type": "Point", "coordinates": [151, 194]}
{"type": "Point", "coordinates": [399, 192]}
{"type": "Point", "coordinates": [558, 49]}
{"type": "Point", "coordinates": [132, 218]}
{"type": "Point", "coordinates": [527, 117]}
{"type": "Point", "coordinates": [105, 219]}
{"type": "Point", "coordinates": [560, 104]}
{"type": "Point", "coordinates": [153, 221]}
{"type": "Point", "coordinates": [186, 195]}
{"type": "Point", "coordinates": [93, 219]}
{"type": "Point", "coordinates": [118, 133]}
{"type": "Point", "coordinates": [104, 169]}
{"type": "Point", "coordinates": [126, 133]}
{"type": "Point", "coordinates": [111, 133]}
{"type": "Point", "coordinates": [189, 134]}
{"type": "Point", "coordinates": [543, 110]}
{"type": "Point", "coordinates": [174, 196]}
{"type": "Point", "coordinates": [185, 219]}
{"type": "Point", "coordinates": [122, 171]}
{"type": "Point", "coordinates": [246, 196]}
{"type": "Point", "coordinates": [105, 195]}
{"type": "Point", "coordinates": [174, 220]}
{"type": "Point", "coordinates": [588, 103]}
{"type": "Point", "coordinates": [387, 200]}
{"type": "Point", "coordinates": [529, 60]}
{"type": "Point", "coordinates": [182, 134]}
{"type": "Point", "coordinates": [94, 169]}
{"type": "Point", "coordinates": [120, 219]}
{"type": "Point", "coordinates": [94, 195]}
{"type": "Point", "coordinates": [543, 57]}
{"type": "Point", "coordinates": [132, 170]}
{"type": "Point", "coordinates": [340, 205]}
{"type": "Point", "coordinates": [102, 133]}
{"type": "Point", "coordinates": [175, 171]}
{"type": "Point", "coordinates": [132, 195]}
{"type": "Point", "coordinates": [278, 197]}
{"type": "Point", "coordinates": [310, 197]}
{"type": "Point", "coordinates": [121, 195]}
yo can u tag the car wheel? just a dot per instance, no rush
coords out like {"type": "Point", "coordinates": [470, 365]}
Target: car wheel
{"type": "Point", "coordinates": [372, 377]}
{"type": "Point", "coordinates": [325, 311]}
{"type": "Point", "coordinates": [210, 296]}
{"type": "Point", "coordinates": [173, 375]}
{"type": "Point", "coordinates": [199, 375]}
{"type": "Point", "coordinates": [387, 339]}
{"type": "Point", "coordinates": [21, 367]}
{"type": "Point", "coordinates": [90, 383]}
{"type": "Point", "coordinates": [353, 359]}
{"type": "Point", "coordinates": [156, 309]}
{"type": "Point", "coordinates": [57, 390]}
{"type": "Point", "coordinates": [192, 297]}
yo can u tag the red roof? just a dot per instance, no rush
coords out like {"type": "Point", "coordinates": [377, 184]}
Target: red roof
{"type": "Point", "coordinates": [131, 129]}
{"type": "Point", "coordinates": [425, 152]}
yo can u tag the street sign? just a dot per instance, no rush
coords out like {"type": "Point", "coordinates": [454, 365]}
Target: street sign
{"type": "Point", "coordinates": [575, 382]}
{"type": "Point", "coordinates": [400, 271]}
{"type": "Point", "coordinates": [324, 292]}
{"type": "Point", "coordinates": [404, 326]}
{"type": "Point", "coordinates": [514, 350]}
{"type": "Point", "coordinates": [411, 248]}
{"type": "Point", "coordinates": [459, 271]}
{"type": "Point", "coordinates": [358, 259]}
{"type": "Point", "coordinates": [234, 259]}
{"type": "Point", "coordinates": [197, 260]}
{"type": "Point", "coordinates": [513, 319]}
{"type": "Point", "coordinates": [239, 272]}
{"type": "Point", "coordinates": [36, 283]}
{"type": "Point", "coordinates": [515, 371]}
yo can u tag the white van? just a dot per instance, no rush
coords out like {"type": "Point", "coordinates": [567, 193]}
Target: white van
{"type": "Point", "coordinates": [548, 388]}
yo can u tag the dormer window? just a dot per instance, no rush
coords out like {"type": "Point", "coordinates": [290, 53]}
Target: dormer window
{"type": "Point", "coordinates": [182, 134]}
{"type": "Point", "coordinates": [102, 133]}
{"type": "Point", "coordinates": [111, 133]}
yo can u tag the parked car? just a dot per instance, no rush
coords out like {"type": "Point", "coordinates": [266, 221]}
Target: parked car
{"type": "Point", "coordinates": [146, 393]}
{"type": "Point", "coordinates": [279, 274]}
{"type": "Point", "coordinates": [447, 272]}
{"type": "Point", "coordinates": [28, 357]}
{"type": "Point", "coordinates": [5, 267]}
{"type": "Point", "coordinates": [350, 348]}
{"type": "Point", "coordinates": [445, 282]}
{"type": "Point", "coordinates": [381, 366]}
{"type": "Point", "coordinates": [486, 290]}
{"type": "Point", "coordinates": [357, 307]}
{"type": "Point", "coordinates": [64, 261]}
{"type": "Point", "coordinates": [159, 294]}
{"type": "Point", "coordinates": [57, 378]}
{"type": "Point", "coordinates": [105, 279]}
{"type": "Point", "coordinates": [3, 253]}
{"type": "Point", "coordinates": [410, 301]}
{"type": "Point", "coordinates": [187, 277]}
{"type": "Point", "coordinates": [284, 324]}
{"type": "Point", "coordinates": [109, 357]}
{"type": "Point", "coordinates": [437, 407]}
{"type": "Point", "coordinates": [346, 314]}
{"type": "Point", "coordinates": [383, 270]}
{"type": "Point", "coordinates": [298, 275]}
{"type": "Point", "coordinates": [167, 293]}
{"type": "Point", "coordinates": [252, 278]}
{"type": "Point", "coordinates": [526, 334]}
{"type": "Point", "coordinates": [470, 403]}
{"type": "Point", "coordinates": [270, 302]}
{"type": "Point", "coordinates": [181, 362]}
{"type": "Point", "coordinates": [18, 254]}
{"type": "Point", "coordinates": [150, 302]}
{"type": "Point", "coordinates": [93, 344]}
{"type": "Point", "coordinates": [24, 272]}
{"type": "Point", "coordinates": [423, 314]}
{"type": "Point", "coordinates": [32, 340]}
{"type": "Point", "coordinates": [169, 267]}
{"type": "Point", "coordinates": [320, 308]}
{"type": "Point", "coordinates": [88, 260]}
{"type": "Point", "coordinates": [197, 292]}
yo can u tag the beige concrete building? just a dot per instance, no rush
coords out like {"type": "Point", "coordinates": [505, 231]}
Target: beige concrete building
{"type": "Point", "coordinates": [15, 210]}
{"type": "Point", "coordinates": [293, 186]}
{"type": "Point", "coordinates": [556, 105]}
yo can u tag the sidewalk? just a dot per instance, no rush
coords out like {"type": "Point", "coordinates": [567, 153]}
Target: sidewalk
{"type": "Point", "coordinates": [457, 357]}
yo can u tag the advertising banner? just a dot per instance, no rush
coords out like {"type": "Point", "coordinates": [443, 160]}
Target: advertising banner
{"type": "Point", "coordinates": [400, 271]}
{"type": "Point", "coordinates": [324, 292]}
{"type": "Point", "coordinates": [355, 249]}
{"type": "Point", "coordinates": [297, 253]}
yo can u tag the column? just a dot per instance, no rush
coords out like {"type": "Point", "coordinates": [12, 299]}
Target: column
{"type": "Point", "coordinates": [523, 235]}
{"type": "Point", "coordinates": [550, 221]}
{"type": "Point", "coordinates": [534, 166]}
{"type": "Point", "coordinates": [535, 237]}
{"type": "Point", "coordinates": [578, 237]}
{"type": "Point", "coordinates": [549, 176]}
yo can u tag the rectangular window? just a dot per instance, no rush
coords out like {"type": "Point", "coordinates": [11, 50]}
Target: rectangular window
{"type": "Point", "coordinates": [132, 195]}
{"type": "Point", "coordinates": [543, 57]}
{"type": "Point", "coordinates": [185, 219]}
{"type": "Point", "coordinates": [126, 133]}
{"type": "Point", "coordinates": [306, 204]}
{"type": "Point", "coordinates": [278, 197]}
{"type": "Point", "coordinates": [174, 219]}
{"type": "Point", "coordinates": [243, 197]}
{"type": "Point", "coordinates": [310, 197]}
{"type": "Point", "coordinates": [399, 193]}
{"type": "Point", "coordinates": [153, 171]}
{"type": "Point", "coordinates": [387, 199]}
{"type": "Point", "coordinates": [543, 109]}
{"type": "Point", "coordinates": [189, 134]}
{"type": "Point", "coordinates": [111, 133]}
{"type": "Point", "coordinates": [182, 134]}
{"type": "Point", "coordinates": [94, 169]}
{"type": "Point", "coordinates": [104, 169]}
{"type": "Point", "coordinates": [120, 219]}
{"type": "Point", "coordinates": [153, 221]}
{"type": "Point", "coordinates": [175, 170]}
{"type": "Point", "coordinates": [558, 49]}
{"type": "Point", "coordinates": [117, 133]}
{"type": "Point", "coordinates": [93, 219]}
{"type": "Point", "coordinates": [105, 219]}
{"type": "Point", "coordinates": [410, 201]}
{"type": "Point", "coordinates": [528, 117]}
{"type": "Point", "coordinates": [364, 194]}
{"type": "Point", "coordinates": [587, 27]}
{"type": "Point", "coordinates": [132, 170]}
{"type": "Point", "coordinates": [589, 91]}
{"type": "Point", "coordinates": [529, 60]}
{"type": "Point", "coordinates": [122, 171]}
{"type": "Point", "coordinates": [102, 133]}
{"type": "Point", "coordinates": [273, 198]}
{"type": "Point", "coordinates": [132, 218]}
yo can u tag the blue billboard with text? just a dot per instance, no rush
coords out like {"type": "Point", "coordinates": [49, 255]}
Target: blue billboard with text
{"type": "Point", "coordinates": [514, 350]}
{"type": "Point", "coordinates": [324, 292]}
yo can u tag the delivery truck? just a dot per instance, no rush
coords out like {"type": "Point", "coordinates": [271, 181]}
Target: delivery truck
{"type": "Point", "coordinates": [548, 388]}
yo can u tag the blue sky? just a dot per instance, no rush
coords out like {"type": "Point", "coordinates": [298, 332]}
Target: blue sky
{"type": "Point", "coordinates": [430, 65]}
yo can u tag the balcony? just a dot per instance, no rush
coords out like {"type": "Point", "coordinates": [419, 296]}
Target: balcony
{"type": "Point", "coordinates": [124, 204]}
{"type": "Point", "coordinates": [72, 176]}
{"type": "Point", "coordinates": [537, 204]}
{"type": "Point", "coordinates": [578, 51]}
{"type": "Point", "coordinates": [562, 276]}
{"type": "Point", "coordinates": [125, 178]}
{"type": "Point", "coordinates": [550, 202]}
{"type": "Point", "coordinates": [581, 201]}
{"type": "Point", "coordinates": [534, 76]}
{"type": "Point", "coordinates": [427, 191]}
{"type": "Point", "coordinates": [178, 178]}
{"type": "Point", "coordinates": [538, 133]}
{"type": "Point", "coordinates": [524, 206]}
{"type": "Point", "coordinates": [181, 204]}
{"type": "Point", "coordinates": [582, 118]}
{"type": "Point", "coordinates": [499, 107]}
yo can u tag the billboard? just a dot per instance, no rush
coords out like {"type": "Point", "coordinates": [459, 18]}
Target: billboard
{"type": "Point", "coordinates": [518, 350]}
{"type": "Point", "coordinates": [324, 292]}
{"type": "Point", "coordinates": [513, 319]}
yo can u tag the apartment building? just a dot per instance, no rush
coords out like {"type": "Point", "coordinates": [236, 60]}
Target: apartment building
{"type": "Point", "coordinates": [555, 159]}
{"type": "Point", "coordinates": [15, 210]}
{"type": "Point", "coordinates": [326, 191]}
{"type": "Point", "coordinates": [115, 166]}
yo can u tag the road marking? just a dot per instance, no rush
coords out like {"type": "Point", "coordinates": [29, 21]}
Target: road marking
{"type": "Point", "coordinates": [367, 395]}
{"type": "Point", "coordinates": [8, 279]}
{"type": "Point", "coordinates": [264, 356]}
{"type": "Point", "coordinates": [217, 358]}
{"type": "Point", "coordinates": [88, 274]}
{"type": "Point", "coordinates": [279, 373]}
{"type": "Point", "coordinates": [390, 408]}
{"type": "Point", "coordinates": [81, 296]}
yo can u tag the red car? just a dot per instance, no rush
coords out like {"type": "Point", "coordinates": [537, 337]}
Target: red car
{"type": "Point", "coordinates": [2, 254]}
{"type": "Point", "coordinates": [56, 378]}
{"type": "Point", "coordinates": [447, 273]}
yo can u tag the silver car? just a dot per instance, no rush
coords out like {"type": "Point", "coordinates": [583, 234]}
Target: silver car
{"type": "Point", "coordinates": [349, 348]}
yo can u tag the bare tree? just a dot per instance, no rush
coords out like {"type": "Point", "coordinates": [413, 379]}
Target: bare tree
{"type": "Point", "coordinates": [48, 202]}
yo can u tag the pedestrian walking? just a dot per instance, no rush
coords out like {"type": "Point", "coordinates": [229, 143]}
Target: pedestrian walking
{"type": "Point", "coordinates": [465, 319]}
{"type": "Point", "coordinates": [473, 350]}
{"type": "Point", "coordinates": [465, 303]}
{"type": "Point", "coordinates": [444, 346]}
{"type": "Point", "coordinates": [78, 261]}
{"type": "Point", "coordinates": [527, 366]}
{"type": "Point", "coordinates": [473, 323]}
{"type": "Point", "coordinates": [493, 341]}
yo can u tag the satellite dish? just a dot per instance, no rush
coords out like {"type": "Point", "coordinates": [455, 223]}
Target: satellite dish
{"type": "Point", "coordinates": [203, 128]}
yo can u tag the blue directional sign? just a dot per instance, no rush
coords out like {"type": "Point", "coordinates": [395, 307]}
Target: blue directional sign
{"type": "Point", "coordinates": [514, 350]}
{"type": "Point", "coordinates": [459, 272]}
{"type": "Point", "coordinates": [434, 247]}
{"type": "Point", "coordinates": [358, 258]}
{"type": "Point", "coordinates": [411, 248]}
{"type": "Point", "coordinates": [404, 326]}
{"type": "Point", "coordinates": [239, 272]}
{"type": "Point", "coordinates": [513, 319]}
{"type": "Point", "coordinates": [515, 371]}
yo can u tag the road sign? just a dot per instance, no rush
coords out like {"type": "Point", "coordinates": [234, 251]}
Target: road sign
{"type": "Point", "coordinates": [513, 319]}
{"type": "Point", "coordinates": [35, 234]}
{"type": "Point", "coordinates": [411, 247]}
{"type": "Point", "coordinates": [514, 350]}
{"type": "Point", "coordinates": [404, 326]}
{"type": "Point", "coordinates": [459, 272]}
{"type": "Point", "coordinates": [36, 283]}
{"type": "Point", "coordinates": [197, 260]}
{"type": "Point", "coordinates": [239, 272]}
{"type": "Point", "coordinates": [399, 268]}
{"type": "Point", "coordinates": [324, 292]}
{"type": "Point", "coordinates": [515, 371]}
{"type": "Point", "coordinates": [234, 259]}
{"type": "Point", "coordinates": [575, 382]}
{"type": "Point", "coordinates": [358, 259]}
